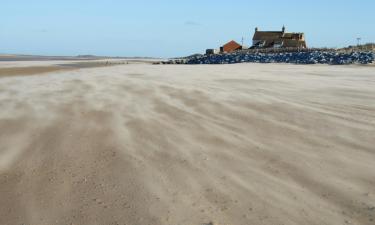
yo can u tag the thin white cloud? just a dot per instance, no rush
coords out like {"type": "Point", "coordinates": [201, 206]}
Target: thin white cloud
{"type": "Point", "coordinates": [40, 30]}
{"type": "Point", "coordinates": [191, 23]}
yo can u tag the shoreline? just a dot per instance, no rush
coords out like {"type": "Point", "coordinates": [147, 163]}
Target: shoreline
{"type": "Point", "coordinates": [59, 66]}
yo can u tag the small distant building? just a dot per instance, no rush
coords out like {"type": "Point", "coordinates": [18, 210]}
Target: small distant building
{"type": "Point", "coordinates": [212, 51]}
{"type": "Point", "coordinates": [230, 47]}
{"type": "Point", "coordinates": [278, 39]}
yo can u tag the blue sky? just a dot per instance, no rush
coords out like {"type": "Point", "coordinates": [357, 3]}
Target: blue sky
{"type": "Point", "coordinates": [165, 28]}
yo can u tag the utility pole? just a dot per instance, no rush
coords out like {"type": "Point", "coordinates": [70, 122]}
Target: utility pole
{"type": "Point", "coordinates": [358, 41]}
{"type": "Point", "coordinates": [242, 40]}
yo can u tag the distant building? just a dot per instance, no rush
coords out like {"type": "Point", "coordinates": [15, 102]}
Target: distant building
{"type": "Point", "coordinates": [278, 39]}
{"type": "Point", "coordinates": [212, 51]}
{"type": "Point", "coordinates": [231, 47]}
{"type": "Point", "coordinates": [366, 47]}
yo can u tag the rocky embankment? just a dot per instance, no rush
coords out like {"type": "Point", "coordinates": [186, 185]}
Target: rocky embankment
{"type": "Point", "coordinates": [311, 57]}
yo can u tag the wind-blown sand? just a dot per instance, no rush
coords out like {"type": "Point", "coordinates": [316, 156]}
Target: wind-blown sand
{"type": "Point", "coordinates": [230, 144]}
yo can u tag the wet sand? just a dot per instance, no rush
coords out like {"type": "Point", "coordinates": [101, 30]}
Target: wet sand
{"type": "Point", "coordinates": [26, 68]}
{"type": "Point", "coordinates": [172, 144]}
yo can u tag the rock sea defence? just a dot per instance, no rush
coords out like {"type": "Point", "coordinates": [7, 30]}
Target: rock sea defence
{"type": "Point", "coordinates": [313, 57]}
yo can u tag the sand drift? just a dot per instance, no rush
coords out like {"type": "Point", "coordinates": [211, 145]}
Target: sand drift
{"type": "Point", "coordinates": [190, 145]}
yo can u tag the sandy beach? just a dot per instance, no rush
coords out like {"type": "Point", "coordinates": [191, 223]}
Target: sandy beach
{"type": "Point", "coordinates": [142, 144]}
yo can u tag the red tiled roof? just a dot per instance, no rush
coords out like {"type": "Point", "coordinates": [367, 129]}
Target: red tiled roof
{"type": "Point", "coordinates": [231, 46]}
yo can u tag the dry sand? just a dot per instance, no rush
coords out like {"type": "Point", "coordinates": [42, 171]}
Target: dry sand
{"type": "Point", "coordinates": [187, 145]}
